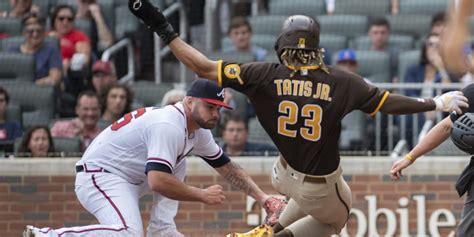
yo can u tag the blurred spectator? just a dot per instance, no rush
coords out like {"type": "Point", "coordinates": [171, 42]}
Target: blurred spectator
{"type": "Point", "coordinates": [173, 96]}
{"type": "Point", "coordinates": [85, 124]}
{"type": "Point", "coordinates": [438, 23]}
{"type": "Point", "coordinates": [429, 70]}
{"type": "Point", "coordinates": [75, 46]}
{"type": "Point", "coordinates": [235, 139]}
{"type": "Point", "coordinates": [103, 74]}
{"type": "Point", "coordinates": [101, 36]}
{"type": "Point", "coordinates": [240, 33]}
{"type": "Point", "coordinates": [347, 60]}
{"type": "Point", "coordinates": [9, 130]}
{"type": "Point", "coordinates": [47, 57]}
{"type": "Point", "coordinates": [116, 100]}
{"type": "Point", "coordinates": [379, 34]}
{"type": "Point", "coordinates": [19, 8]}
{"type": "Point", "coordinates": [37, 142]}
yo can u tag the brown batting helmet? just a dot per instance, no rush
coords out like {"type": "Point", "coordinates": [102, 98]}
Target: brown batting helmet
{"type": "Point", "coordinates": [298, 32]}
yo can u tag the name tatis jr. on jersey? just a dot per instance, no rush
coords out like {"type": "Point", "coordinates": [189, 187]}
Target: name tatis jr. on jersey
{"type": "Point", "coordinates": [303, 88]}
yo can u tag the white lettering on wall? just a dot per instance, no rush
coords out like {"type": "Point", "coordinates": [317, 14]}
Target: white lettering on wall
{"type": "Point", "coordinates": [439, 218]}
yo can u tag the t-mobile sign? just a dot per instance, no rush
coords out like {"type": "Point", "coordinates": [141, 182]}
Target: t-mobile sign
{"type": "Point", "coordinates": [397, 221]}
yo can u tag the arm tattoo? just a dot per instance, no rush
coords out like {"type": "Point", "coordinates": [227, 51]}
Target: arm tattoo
{"type": "Point", "coordinates": [237, 177]}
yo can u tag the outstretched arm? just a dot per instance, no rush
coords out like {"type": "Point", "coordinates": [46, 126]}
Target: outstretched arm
{"type": "Point", "coordinates": [447, 102]}
{"type": "Point", "coordinates": [240, 179]}
{"type": "Point", "coordinates": [456, 36]}
{"type": "Point", "coordinates": [152, 17]}
{"type": "Point", "coordinates": [433, 138]}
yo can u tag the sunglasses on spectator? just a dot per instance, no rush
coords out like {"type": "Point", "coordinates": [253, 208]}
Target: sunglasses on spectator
{"type": "Point", "coordinates": [32, 31]}
{"type": "Point", "coordinates": [68, 18]}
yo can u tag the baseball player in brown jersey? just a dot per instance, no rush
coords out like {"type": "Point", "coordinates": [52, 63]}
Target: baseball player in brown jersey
{"type": "Point", "coordinates": [300, 103]}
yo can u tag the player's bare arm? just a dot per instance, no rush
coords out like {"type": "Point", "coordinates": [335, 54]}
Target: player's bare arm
{"type": "Point", "coordinates": [172, 188]}
{"type": "Point", "coordinates": [456, 36]}
{"type": "Point", "coordinates": [433, 138]}
{"type": "Point", "coordinates": [152, 17]}
{"type": "Point", "coordinates": [239, 178]}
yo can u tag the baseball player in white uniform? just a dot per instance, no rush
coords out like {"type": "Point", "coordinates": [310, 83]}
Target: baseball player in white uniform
{"type": "Point", "coordinates": [145, 150]}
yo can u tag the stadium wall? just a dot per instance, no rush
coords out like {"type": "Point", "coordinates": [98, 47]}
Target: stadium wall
{"type": "Point", "coordinates": [424, 203]}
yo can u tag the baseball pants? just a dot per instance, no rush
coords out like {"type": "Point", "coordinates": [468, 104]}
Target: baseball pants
{"type": "Point", "coordinates": [466, 226]}
{"type": "Point", "coordinates": [319, 205]}
{"type": "Point", "coordinates": [115, 203]}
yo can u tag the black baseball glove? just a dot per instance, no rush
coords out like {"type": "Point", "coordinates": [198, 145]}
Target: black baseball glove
{"type": "Point", "coordinates": [152, 17]}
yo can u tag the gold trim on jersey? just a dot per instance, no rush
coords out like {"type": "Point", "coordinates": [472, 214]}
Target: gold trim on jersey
{"type": "Point", "coordinates": [312, 67]}
{"type": "Point", "coordinates": [382, 101]}
{"type": "Point", "coordinates": [219, 73]}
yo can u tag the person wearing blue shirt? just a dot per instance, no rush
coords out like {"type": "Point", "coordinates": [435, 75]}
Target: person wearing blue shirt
{"type": "Point", "coordinates": [48, 62]}
{"type": "Point", "coordinates": [235, 139]}
{"type": "Point", "coordinates": [240, 33]}
{"type": "Point", "coordinates": [9, 130]}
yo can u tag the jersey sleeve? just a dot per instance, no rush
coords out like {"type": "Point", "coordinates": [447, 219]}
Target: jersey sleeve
{"type": "Point", "coordinates": [364, 96]}
{"type": "Point", "coordinates": [163, 141]}
{"type": "Point", "coordinates": [206, 147]}
{"type": "Point", "coordinates": [245, 78]}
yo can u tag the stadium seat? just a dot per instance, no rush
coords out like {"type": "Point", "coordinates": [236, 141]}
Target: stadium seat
{"type": "Point", "coordinates": [346, 25]}
{"type": "Point", "coordinates": [4, 6]}
{"type": "Point", "coordinates": [267, 25]}
{"type": "Point", "coordinates": [333, 43]}
{"type": "Point", "coordinates": [297, 7]}
{"type": "Point", "coordinates": [69, 146]}
{"type": "Point", "coordinates": [125, 22]}
{"type": "Point", "coordinates": [11, 42]}
{"type": "Point", "coordinates": [415, 25]}
{"type": "Point", "coordinates": [238, 57]}
{"type": "Point", "coordinates": [257, 133]}
{"type": "Point", "coordinates": [272, 58]}
{"type": "Point", "coordinates": [265, 41]}
{"type": "Point", "coordinates": [150, 93]}
{"type": "Point", "coordinates": [14, 112]}
{"type": "Point", "coordinates": [352, 130]}
{"type": "Point", "coordinates": [422, 7]}
{"type": "Point", "coordinates": [240, 100]}
{"type": "Point", "coordinates": [18, 67]}
{"type": "Point", "coordinates": [405, 60]}
{"type": "Point", "coordinates": [402, 42]}
{"type": "Point", "coordinates": [362, 7]}
{"type": "Point", "coordinates": [370, 63]}
{"type": "Point", "coordinates": [10, 26]}
{"type": "Point", "coordinates": [36, 102]}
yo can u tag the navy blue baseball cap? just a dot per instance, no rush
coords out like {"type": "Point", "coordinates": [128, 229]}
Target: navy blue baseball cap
{"type": "Point", "coordinates": [346, 55]}
{"type": "Point", "coordinates": [208, 91]}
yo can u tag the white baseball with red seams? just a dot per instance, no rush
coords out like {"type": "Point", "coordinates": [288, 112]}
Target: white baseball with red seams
{"type": "Point", "coordinates": [114, 172]}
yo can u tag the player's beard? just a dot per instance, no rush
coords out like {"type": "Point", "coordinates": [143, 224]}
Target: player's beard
{"type": "Point", "coordinates": [209, 124]}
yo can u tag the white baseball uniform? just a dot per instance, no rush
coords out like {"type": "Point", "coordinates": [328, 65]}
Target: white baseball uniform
{"type": "Point", "coordinates": [114, 176]}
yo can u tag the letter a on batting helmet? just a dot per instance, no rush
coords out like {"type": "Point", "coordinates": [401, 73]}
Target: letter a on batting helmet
{"type": "Point", "coordinates": [298, 32]}
{"type": "Point", "coordinates": [462, 133]}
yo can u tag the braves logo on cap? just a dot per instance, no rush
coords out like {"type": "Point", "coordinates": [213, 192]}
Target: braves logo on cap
{"type": "Point", "coordinates": [221, 94]}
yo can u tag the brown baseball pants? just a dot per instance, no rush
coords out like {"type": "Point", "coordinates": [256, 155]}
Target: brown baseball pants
{"type": "Point", "coordinates": [319, 205]}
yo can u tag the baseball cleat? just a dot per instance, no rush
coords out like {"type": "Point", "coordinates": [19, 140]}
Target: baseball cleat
{"type": "Point", "coordinates": [259, 231]}
{"type": "Point", "coordinates": [28, 232]}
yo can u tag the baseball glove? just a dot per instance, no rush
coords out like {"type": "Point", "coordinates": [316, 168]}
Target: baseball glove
{"type": "Point", "coordinates": [274, 207]}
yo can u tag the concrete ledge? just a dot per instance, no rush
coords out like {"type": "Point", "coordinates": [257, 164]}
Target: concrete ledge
{"type": "Point", "coordinates": [253, 165]}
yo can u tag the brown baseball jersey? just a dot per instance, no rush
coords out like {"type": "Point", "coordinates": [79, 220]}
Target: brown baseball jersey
{"type": "Point", "coordinates": [302, 114]}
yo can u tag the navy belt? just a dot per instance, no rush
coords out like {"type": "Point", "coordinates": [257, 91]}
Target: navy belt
{"type": "Point", "coordinates": [82, 168]}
